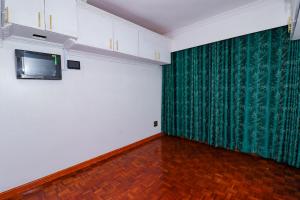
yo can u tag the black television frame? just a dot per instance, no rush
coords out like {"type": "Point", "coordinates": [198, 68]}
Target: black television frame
{"type": "Point", "coordinates": [20, 54]}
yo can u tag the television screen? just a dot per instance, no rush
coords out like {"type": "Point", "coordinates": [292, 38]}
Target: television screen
{"type": "Point", "coordinates": [35, 65]}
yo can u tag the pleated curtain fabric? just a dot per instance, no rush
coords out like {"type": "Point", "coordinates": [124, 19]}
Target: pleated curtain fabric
{"type": "Point", "coordinates": [240, 94]}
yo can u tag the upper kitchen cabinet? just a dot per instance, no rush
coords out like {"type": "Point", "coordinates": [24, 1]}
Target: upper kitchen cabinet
{"type": "Point", "coordinates": [80, 26]}
{"type": "Point", "coordinates": [126, 37]}
{"type": "Point", "coordinates": [95, 28]}
{"type": "Point", "coordinates": [147, 45]}
{"type": "Point", "coordinates": [29, 13]}
{"type": "Point", "coordinates": [51, 20]}
{"type": "Point", "coordinates": [99, 29]}
{"type": "Point", "coordinates": [163, 49]}
{"type": "Point", "coordinates": [154, 47]}
{"type": "Point", "coordinates": [61, 17]}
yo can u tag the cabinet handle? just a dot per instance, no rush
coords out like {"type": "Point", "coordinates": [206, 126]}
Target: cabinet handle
{"type": "Point", "coordinates": [6, 15]}
{"type": "Point", "coordinates": [51, 22]}
{"type": "Point", "coordinates": [117, 45]}
{"type": "Point", "coordinates": [39, 19]}
{"type": "Point", "coordinates": [110, 43]}
{"type": "Point", "coordinates": [157, 55]}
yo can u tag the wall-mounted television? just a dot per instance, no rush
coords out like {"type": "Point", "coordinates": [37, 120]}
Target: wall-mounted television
{"type": "Point", "coordinates": [36, 65]}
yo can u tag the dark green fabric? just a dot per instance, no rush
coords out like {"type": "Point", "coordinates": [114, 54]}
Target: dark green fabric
{"type": "Point", "coordinates": [241, 94]}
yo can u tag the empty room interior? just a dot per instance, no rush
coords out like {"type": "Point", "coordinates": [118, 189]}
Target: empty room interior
{"type": "Point", "coordinates": [150, 99]}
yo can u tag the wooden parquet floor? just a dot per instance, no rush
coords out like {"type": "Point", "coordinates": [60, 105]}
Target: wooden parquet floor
{"type": "Point", "coordinates": [171, 168]}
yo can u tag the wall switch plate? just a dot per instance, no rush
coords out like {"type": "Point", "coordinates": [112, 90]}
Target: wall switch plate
{"type": "Point", "coordinates": [155, 124]}
{"type": "Point", "coordinates": [72, 64]}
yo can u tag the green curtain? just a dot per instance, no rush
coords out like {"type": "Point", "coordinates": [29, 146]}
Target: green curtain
{"type": "Point", "coordinates": [240, 94]}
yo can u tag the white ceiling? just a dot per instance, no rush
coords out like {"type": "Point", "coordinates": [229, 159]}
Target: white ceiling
{"type": "Point", "coordinates": [164, 16]}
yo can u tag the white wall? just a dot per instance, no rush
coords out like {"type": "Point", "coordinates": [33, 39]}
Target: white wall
{"type": "Point", "coordinates": [258, 16]}
{"type": "Point", "coordinates": [46, 126]}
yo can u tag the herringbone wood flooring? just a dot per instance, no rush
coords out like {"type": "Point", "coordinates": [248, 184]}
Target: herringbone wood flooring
{"type": "Point", "coordinates": [173, 168]}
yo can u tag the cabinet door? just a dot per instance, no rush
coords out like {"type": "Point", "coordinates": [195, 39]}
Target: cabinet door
{"type": "Point", "coordinates": [163, 50]}
{"type": "Point", "coordinates": [61, 16]}
{"type": "Point", "coordinates": [165, 56]}
{"type": "Point", "coordinates": [28, 13]}
{"type": "Point", "coordinates": [154, 46]}
{"type": "Point", "coordinates": [147, 45]}
{"type": "Point", "coordinates": [126, 38]}
{"type": "Point", "coordinates": [95, 28]}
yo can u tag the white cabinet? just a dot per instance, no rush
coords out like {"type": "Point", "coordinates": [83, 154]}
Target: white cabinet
{"type": "Point", "coordinates": [95, 28]}
{"type": "Point", "coordinates": [104, 33]}
{"type": "Point", "coordinates": [126, 38]}
{"type": "Point", "coordinates": [61, 16]}
{"type": "Point", "coordinates": [52, 15]}
{"type": "Point", "coordinates": [102, 30]}
{"type": "Point", "coordinates": [64, 21]}
{"type": "Point", "coordinates": [147, 45]}
{"type": "Point", "coordinates": [163, 49]}
{"type": "Point", "coordinates": [154, 46]}
{"type": "Point", "coordinates": [28, 13]}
